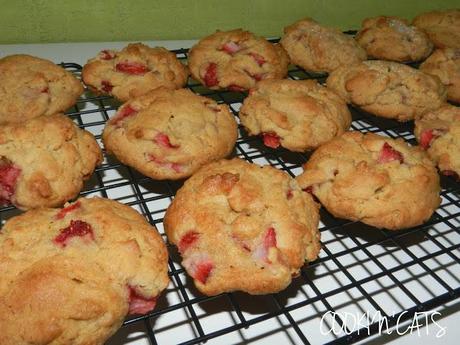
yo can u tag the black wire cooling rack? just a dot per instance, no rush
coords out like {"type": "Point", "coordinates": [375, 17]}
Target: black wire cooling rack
{"type": "Point", "coordinates": [361, 271]}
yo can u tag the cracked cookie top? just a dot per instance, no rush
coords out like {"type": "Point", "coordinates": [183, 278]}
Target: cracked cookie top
{"type": "Point", "coordinates": [236, 60]}
{"type": "Point", "coordinates": [169, 134]}
{"type": "Point", "coordinates": [392, 38]}
{"type": "Point", "coordinates": [438, 132]}
{"type": "Point", "coordinates": [445, 64]}
{"type": "Point", "coordinates": [134, 71]}
{"type": "Point", "coordinates": [44, 162]}
{"type": "Point", "coordinates": [240, 226]}
{"type": "Point", "coordinates": [442, 27]}
{"type": "Point", "coordinates": [388, 89]}
{"type": "Point", "coordinates": [31, 87]}
{"type": "Point", "coordinates": [85, 267]}
{"type": "Point", "coordinates": [296, 114]}
{"type": "Point", "coordinates": [317, 48]}
{"type": "Point", "coordinates": [373, 179]}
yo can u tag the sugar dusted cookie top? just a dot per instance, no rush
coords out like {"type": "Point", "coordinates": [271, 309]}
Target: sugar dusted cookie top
{"type": "Point", "coordinates": [85, 267]}
{"type": "Point", "coordinates": [240, 226]}
{"type": "Point", "coordinates": [392, 38]}
{"type": "Point", "coordinates": [316, 48]}
{"type": "Point", "coordinates": [31, 87]}
{"type": "Point", "coordinates": [236, 60]}
{"type": "Point", "coordinates": [442, 27]}
{"type": "Point", "coordinates": [134, 71]}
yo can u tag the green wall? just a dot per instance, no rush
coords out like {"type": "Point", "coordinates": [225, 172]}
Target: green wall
{"type": "Point", "coordinates": [31, 21]}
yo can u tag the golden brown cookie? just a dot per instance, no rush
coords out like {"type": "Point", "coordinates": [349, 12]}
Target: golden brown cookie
{"type": "Point", "coordinates": [31, 87]}
{"type": "Point", "coordinates": [70, 276]}
{"type": "Point", "coordinates": [392, 38]}
{"type": "Point", "coordinates": [388, 89]}
{"type": "Point", "coordinates": [438, 132]}
{"type": "Point", "coordinates": [134, 71]}
{"type": "Point", "coordinates": [317, 48]}
{"type": "Point", "coordinates": [373, 179]}
{"type": "Point", "coordinates": [445, 63]}
{"type": "Point", "coordinates": [296, 114]}
{"type": "Point", "coordinates": [44, 162]}
{"type": "Point", "coordinates": [442, 27]}
{"type": "Point", "coordinates": [169, 134]}
{"type": "Point", "coordinates": [240, 226]}
{"type": "Point", "coordinates": [236, 60]}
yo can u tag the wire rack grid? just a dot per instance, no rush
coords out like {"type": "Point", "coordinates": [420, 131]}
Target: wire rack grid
{"type": "Point", "coordinates": [360, 270]}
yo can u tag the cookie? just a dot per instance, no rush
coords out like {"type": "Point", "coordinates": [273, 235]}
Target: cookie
{"type": "Point", "coordinates": [392, 38]}
{"type": "Point", "coordinates": [299, 115]}
{"type": "Point", "coordinates": [316, 48]}
{"type": "Point", "coordinates": [373, 179]}
{"type": "Point", "coordinates": [32, 87]}
{"type": "Point", "coordinates": [388, 89]}
{"type": "Point", "coordinates": [240, 226]}
{"type": "Point", "coordinates": [445, 63]}
{"type": "Point", "coordinates": [442, 27]}
{"type": "Point", "coordinates": [169, 134]}
{"type": "Point", "coordinates": [236, 60]}
{"type": "Point", "coordinates": [133, 71]}
{"type": "Point", "coordinates": [438, 132]}
{"type": "Point", "coordinates": [70, 276]}
{"type": "Point", "coordinates": [44, 162]}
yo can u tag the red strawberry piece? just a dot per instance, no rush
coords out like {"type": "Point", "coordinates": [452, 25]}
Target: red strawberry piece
{"type": "Point", "coordinates": [9, 174]}
{"type": "Point", "coordinates": [163, 140]}
{"type": "Point", "coordinates": [289, 194]}
{"type": "Point", "coordinates": [450, 173]}
{"type": "Point", "coordinates": [77, 228]}
{"type": "Point", "coordinates": [259, 58]}
{"type": "Point", "coordinates": [134, 68]}
{"type": "Point", "coordinates": [106, 55]}
{"type": "Point", "coordinates": [210, 77]}
{"type": "Point", "coordinates": [231, 47]}
{"type": "Point", "coordinates": [174, 166]}
{"type": "Point", "coordinates": [271, 140]}
{"type": "Point", "coordinates": [270, 238]}
{"type": "Point", "coordinates": [201, 270]}
{"type": "Point", "coordinates": [62, 213]}
{"type": "Point", "coordinates": [308, 189]}
{"type": "Point", "coordinates": [44, 90]}
{"type": "Point", "coordinates": [122, 114]}
{"type": "Point", "coordinates": [428, 135]}
{"type": "Point", "coordinates": [138, 304]}
{"type": "Point", "coordinates": [106, 86]}
{"type": "Point", "coordinates": [258, 77]}
{"type": "Point", "coordinates": [235, 88]}
{"type": "Point", "coordinates": [187, 240]}
{"type": "Point", "coordinates": [389, 154]}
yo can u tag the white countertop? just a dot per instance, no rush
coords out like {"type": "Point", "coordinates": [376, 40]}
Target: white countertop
{"type": "Point", "coordinates": [81, 52]}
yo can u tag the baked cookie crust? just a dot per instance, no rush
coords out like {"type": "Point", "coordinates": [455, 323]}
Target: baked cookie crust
{"type": "Point", "coordinates": [442, 27]}
{"type": "Point", "coordinates": [240, 226]}
{"type": "Point", "coordinates": [298, 115]}
{"type": "Point", "coordinates": [319, 49]}
{"type": "Point", "coordinates": [379, 181]}
{"type": "Point", "coordinates": [133, 71]}
{"type": "Point", "coordinates": [169, 134]}
{"type": "Point", "coordinates": [388, 89]}
{"type": "Point", "coordinates": [44, 162]}
{"type": "Point", "coordinates": [32, 87]}
{"type": "Point", "coordinates": [236, 60]}
{"type": "Point", "coordinates": [71, 275]}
